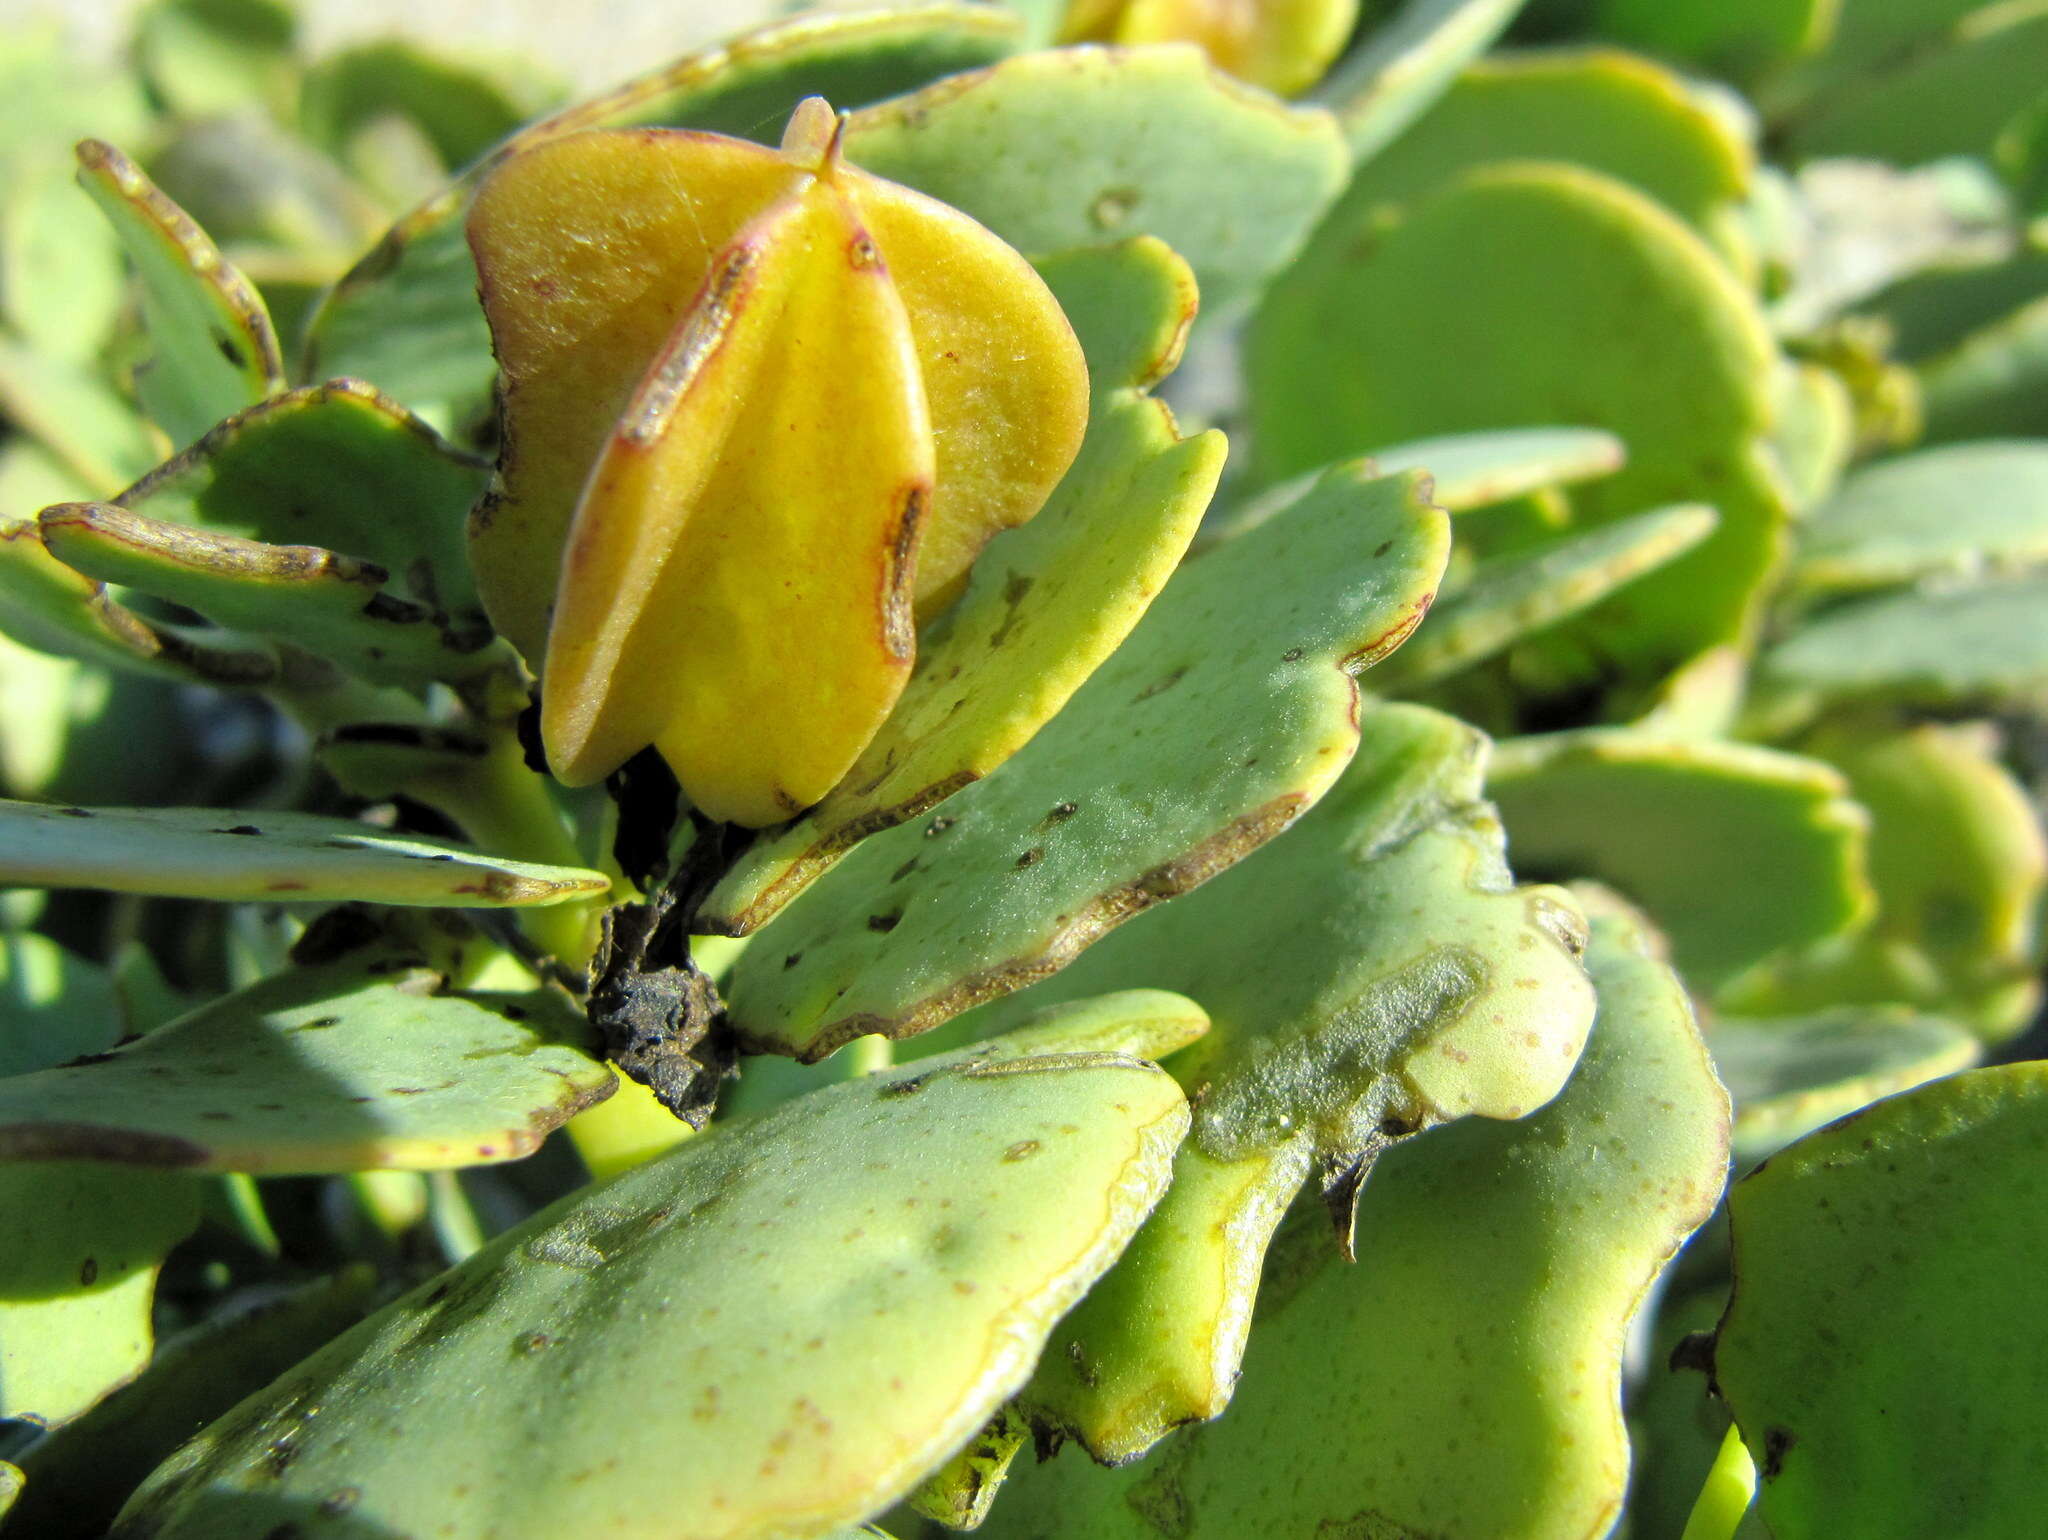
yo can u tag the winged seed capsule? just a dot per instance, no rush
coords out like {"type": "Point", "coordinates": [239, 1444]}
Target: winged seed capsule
{"type": "Point", "coordinates": [761, 411]}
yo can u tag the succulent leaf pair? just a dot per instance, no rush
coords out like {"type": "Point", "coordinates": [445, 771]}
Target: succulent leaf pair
{"type": "Point", "coordinates": [762, 410]}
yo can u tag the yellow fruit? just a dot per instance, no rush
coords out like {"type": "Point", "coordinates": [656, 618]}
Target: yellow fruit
{"type": "Point", "coordinates": [761, 410]}
{"type": "Point", "coordinates": [1283, 45]}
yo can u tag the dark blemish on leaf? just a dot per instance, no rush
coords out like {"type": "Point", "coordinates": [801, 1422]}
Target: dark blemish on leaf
{"type": "Point", "coordinates": [792, 960]}
{"type": "Point", "coordinates": [535, 1342]}
{"type": "Point", "coordinates": [884, 923]}
{"type": "Point", "coordinates": [74, 812]}
{"type": "Point", "coordinates": [1015, 587]}
{"type": "Point", "coordinates": [1396, 1127]}
{"type": "Point", "coordinates": [908, 1087]}
{"type": "Point", "coordinates": [281, 1452]}
{"type": "Point", "coordinates": [904, 870]}
{"type": "Point", "coordinates": [1167, 683]}
{"type": "Point", "coordinates": [284, 887]}
{"type": "Point", "coordinates": [383, 606]}
{"type": "Point", "coordinates": [1030, 857]}
{"type": "Point", "coordinates": [240, 828]}
{"type": "Point", "coordinates": [234, 355]}
{"type": "Point", "coordinates": [1084, 1371]}
{"type": "Point", "coordinates": [340, 1500]}
{"type": "Point", "coordinates": [218, 1117]}
{"type": "Point", "coordinates": [1694, 1351]}
{"type": "Point", "coordinates": [938, 826]}
{"type": "Point", "coordinates": [1382, 548]}
{"type": "Point", "coordinates": [1059, 815]}
{"type": "Point", "coordinates": [88, 1272]}
{"type": "Point", "coordinates": [1291, 655]}
{"type": "Point", "coordinates": [1023, 1149]}
{"type": "Point", "coordinates": [862, 252]}
{"type": "Point", "coordinates": [1777, 1442]}
{"type": "Point", "coordinates": [285, 1532]}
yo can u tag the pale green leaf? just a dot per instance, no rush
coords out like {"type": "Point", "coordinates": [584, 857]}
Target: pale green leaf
{"type": "Point", "coordinates": [804, 1314]}
{"type": "Point", "coordinates": [292, 857]}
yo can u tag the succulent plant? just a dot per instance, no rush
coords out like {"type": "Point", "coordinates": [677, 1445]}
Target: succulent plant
{"type": "Point", "coordinates": [680, 859]}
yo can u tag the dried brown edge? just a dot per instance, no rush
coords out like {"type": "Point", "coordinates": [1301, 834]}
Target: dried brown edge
{"type": "Point", "coordinates": [120, 176]}
{"type": "Point", "coordinates": [1095, 919]}
{"type": "Point", "coordinates": [202, 549]}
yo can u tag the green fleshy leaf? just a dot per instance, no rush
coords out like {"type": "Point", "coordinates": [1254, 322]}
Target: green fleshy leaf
{"type": "Point", "coordinates": [1976, 646]}
{"type": "Point", "coordinates": [1815, 434]}
{"type": "Point", "coordinates": [1000, 1193]}
{"type": "Point", "coordinates": [1047, 602]}
{"type": "Point", "coordinates": [265, 857]}
{"type": "Point", "coordinates": [54, 1005]}
{"type": "Point", "coordinates": [203, 58]}
{"type": "Point", "coordinates": [1610, 112]}
{"type": "Point", "coordinates": [1467, 471]}
{"type": "Point", "coordinates": [1371, 975]}
{"type": "Point", "coordinates": [1735, 851]}
{"type": "Point", "coordinates": [1991, 384]}
{"type": "Point", "coordinates": [1949, 512]}
{"type": "Point", "coordinates": [1227, 713]}
{"type": "Point", "coordinates": [1932, 309]}
{"type": "Point", "coordinates": [335, 606]}
{"type": "Point", "coordinates": [1676, 1429]}
{"type": "Point", "coordinates": [1903, 1237]}
{"type": "Point", "coordinates": [1408, 333]}
{"type": "Point", "coordinates": [342, 467]}
{"type": "Point", "coordinates": [1072, 147]}
{"type": "Point", "coordinates": [47, 606]}
{"type": "Point", "coordinates": [77, 417]}
{"type": "Point", "coordinates": [1499, 1267]}
{"type": "Point", "coordinates": [1949, 95]}
{"type": "Point", "coordinates": [1789, 1075]}
{"type": "Point", "coordinates": [320, 1069]}
{"type": "Point", "coordinates": [80, 1247]}
{"type": "Point", "coordinates": [79, 1475]}
{"type": "Point", "coordinates": [1511, 596]}
{"type": "Point", "coordinates": [406, 316]}
{"type": "Point", "coordinates": [212, 349]}
{"type": "Point", "coordinates": [1734, 39]}
{"type": "Point", "coordinates": [1959, 864]}
{"type": "Point", "coordinates": [1407, 64]}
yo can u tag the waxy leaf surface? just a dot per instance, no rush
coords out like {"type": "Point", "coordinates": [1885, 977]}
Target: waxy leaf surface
{"type": "Point", "coordinates": [1981, 645]}
{"type": "Point", "coordinates": [294, 857]}
{"type": "Point", "coordinates": [1282, 45]}
{"type": "Point", "coordinates": [80, 1247]}
{"type": "Point", "coordinates": [333, 605]}
{"type": "Point", "coordinates": [1401, 334]}
{"type": "Point", "coordinates": [1509, 597]}
{"type": "Point", "coordinates": [1072, 147]}
{"type": "Point", "coordinates": [1467, 471]}
{"type": "Point", "coordinates": [1227, 713]}
{"type": "Point", "coordinates": [78, 1476]}
{"type": "Point", "coordinates": [1610, 112]}
{"type": "Point", "coordinates": [1789, 1075]}
{"type": "Point", "coordinates": [213, 351]}
{"type": "Point", "coordinates": [963, 1205]}
{"type": "Point", "coordinates": [326, 1069]}
{"type": "Point", "coordinates": [1500, 1264]}
{"type": "Point", "coordinates": [47, 606]}
{"type": "Point", "coordinates": [1958, 863]}
{"type": "Point", "coordinates": [1392, 78]}
{"type": "Point", "coordinates": [1902, 1237]}
{"type": "Point", "coordinates": [1952, 511]}
{"type": "Point", "coordinates": [1371, 974]}
{"type": "Point", "coordinates": [1735, 851]}
{"type": "Point", "coordinates": [341, 467]}
{"type": "Point", "coordinates": [1047, 604]}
